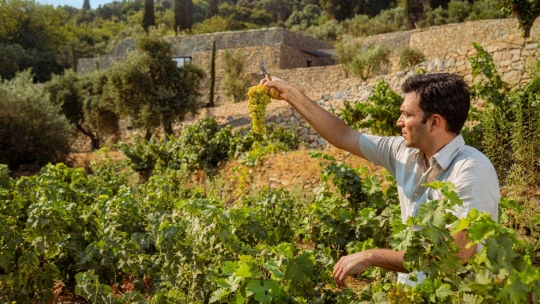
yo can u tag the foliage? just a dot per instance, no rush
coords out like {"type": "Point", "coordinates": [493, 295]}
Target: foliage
{"type": "Point", "coordinates": [148, 15]}
{"type": "Point", "coordinates": [235, 79]}
{"type": "Point", "coordinates": [447, 278]}
{"type": "Point", "coordinates": [37, 29]}
{"type": "Point", "coordinates": [409, 57]}
{"type": "Point", "coordinates": [379, 114]}
{"type": "Point", "coordinates": [183, 15]}
{"type": "Point", "coordinates": [526, 11]}
{"type": "Point", "coordinates": [510, 123]}
{"type": "Point", "coordinates": [308, 16]}
{"type": "Point", "coordinates": [81, 103]}
{"type": "Point", "coordinates": [460, 11]}
{"type": "Point", "coordinates": [360, 61]}
{"type": "Point", "coordinates": [168, 241]}
{"type": "Point", "coordinates": [111, 242]}
{"type": "Point", "coordinates": [388, 20]}
{"type": "Point", "coordinates": [486, 9]}
{"type": "Point", "coordinates": [216, 24]}
{"type": "Point", "coordinates": [149, 88]}
{"type": "Point", "coordinates": [203, 146]}
{"type": "Point", "coordinates": [32, 131]}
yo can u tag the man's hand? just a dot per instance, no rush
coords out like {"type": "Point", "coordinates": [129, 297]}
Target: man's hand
{"type": "Point", "coordinates": [282, 87]}
{"type": "Point", "coordinates": [351, 264]}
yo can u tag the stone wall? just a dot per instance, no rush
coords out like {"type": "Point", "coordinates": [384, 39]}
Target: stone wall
{"type": "Point", "coordinates": [293, 58]}
{"type": "Point", "coordinates": [195, 46]}
{"type": "Point", "coordinates": [446, 49]}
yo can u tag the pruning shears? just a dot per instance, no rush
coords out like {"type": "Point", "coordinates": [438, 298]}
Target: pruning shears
{"type": "Point", "coordinates": [265, 74]}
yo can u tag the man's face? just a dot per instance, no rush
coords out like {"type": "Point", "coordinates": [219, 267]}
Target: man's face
{"type": "Point", "coordinates": [415, 133]}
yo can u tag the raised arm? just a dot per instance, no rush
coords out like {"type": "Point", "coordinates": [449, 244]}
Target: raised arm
{"type": "Point", "coordinates": [327, 125]}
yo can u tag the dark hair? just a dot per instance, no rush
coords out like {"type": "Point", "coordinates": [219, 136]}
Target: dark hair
{"type": "Point", "coordinates": [444, 94]}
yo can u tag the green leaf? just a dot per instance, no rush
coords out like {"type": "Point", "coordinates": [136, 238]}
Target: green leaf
{"type": "Point", "coordinates": [482, 229]}
{"type": "Point", "coordinates": [218, 295]}
{"type": "Point", "coordinates": [271, 266]}
{"type": "Point", "coordinates": [254, 287]}
{"type": "Point", "coordinates": [443, 291]}
{"type": "Point", "coordinates": [263, 298]}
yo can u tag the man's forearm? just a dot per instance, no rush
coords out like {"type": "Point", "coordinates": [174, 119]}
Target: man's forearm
{"type": "Point", "coordinates": [388, 259]}
{"type": "Point", "coordinates": [327, 125]}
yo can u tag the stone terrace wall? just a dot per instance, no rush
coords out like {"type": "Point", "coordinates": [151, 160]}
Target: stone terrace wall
{"type": "Point", "coordinates": [193, 45]}
{"type": "Point", "coordinates": [329, 85]}
{"type": "Point", "coordinates": [439, 41]}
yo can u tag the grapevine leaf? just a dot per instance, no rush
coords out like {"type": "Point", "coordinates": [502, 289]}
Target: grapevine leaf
{"type": "Point", "coordinates": [299, 271]}
{"type": "Point", "coordinates": [254, 287]}
{"type": "Point", "coordinates": [274, 269]}
{"type": "Point", "coordinates": [472, 299]}
{"type": "Point", "coordinates": [218, 295]}
{"type": "Point", "coordinates": [243, 271]}
{"type": "Point", "coordinates": [230, 267]}
{"type": "Point", "coordinates": [263, 298]}
{"type": "Point", "coordinates": [240, 299]}
{"type": "Point", "coordinates": [482, 229]}
{"type": "Point", "coordinates": [443, 291]}
{"type": "Point", "coordinates": [403, 239]}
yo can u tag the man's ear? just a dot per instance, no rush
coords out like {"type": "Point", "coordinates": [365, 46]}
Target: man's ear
{"type": "Point", "coordinates": [437, 121]}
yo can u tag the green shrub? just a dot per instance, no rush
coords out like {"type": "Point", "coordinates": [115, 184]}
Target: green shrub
{"type": "Point", "coordinates": [368, 61]}
{"type": "Point", "coordinates": [438, 16]}
{"type": "Point", "coordinates": [327, 31]}
{"type": "Point", "coordinates": [203, 146]}
{"type": "Point", "coordinates": [409, 57]}
{"type": "Point", "coordinates": [458, 11]}
{"type": "Point", "coordinates": [216, 24]}
{"type": "Point", "coordinates": [390, 20]}
{"type": "Point", "coordinates": [360, 61]}
{"type": "Point", "coordinates": [510, 123]}
{"type": "Point", "coordinates": [486, 9]}
{"type": "Point", "coordinates": [32, 131]}
{"type": "Point", "coordinates": [235, 81]}
{"type": "Point", "coordinates": [379, 114]}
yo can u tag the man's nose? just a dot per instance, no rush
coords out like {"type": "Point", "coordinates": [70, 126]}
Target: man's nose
{"type": "Point", "coordinates": [399, 123]}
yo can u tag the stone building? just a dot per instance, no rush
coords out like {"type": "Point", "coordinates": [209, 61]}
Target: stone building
{"type": "Point", "coordinates": [279, 48]}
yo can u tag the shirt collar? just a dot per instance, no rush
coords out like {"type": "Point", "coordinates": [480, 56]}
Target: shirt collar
{"type": "Point", "coordinates": [445, 156]}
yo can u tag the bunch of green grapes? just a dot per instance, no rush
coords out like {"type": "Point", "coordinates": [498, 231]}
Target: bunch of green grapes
{"type": "Point", "coordinates": [398, 295]}
{"type": "Point", "coordinates": [259, 98]}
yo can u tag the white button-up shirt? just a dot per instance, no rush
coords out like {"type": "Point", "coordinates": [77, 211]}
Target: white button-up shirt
{"type": "Point", "coordinates": [467, 168]}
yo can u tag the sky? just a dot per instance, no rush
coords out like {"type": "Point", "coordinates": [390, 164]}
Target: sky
{"type": "Point", "coordinates": [74, 3]}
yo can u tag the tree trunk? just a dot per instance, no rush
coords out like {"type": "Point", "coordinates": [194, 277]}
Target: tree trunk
{"type": "Point", "coordinates": [178, 17]}
{"type": "Point", "coordinates": [213, 8]}
{"type": "Point", "coordinates": [189, 14]}
{"type": "Point", "coordinates": [148, 18]}
{"type": "Point", "coordinates": [93, 138]}
{"type": "Point", "coordinates": [212, 75]}
{"type": "Point", "coordinates": [148, 135]}
{"type": "Point", "coordinates": [167, 127]}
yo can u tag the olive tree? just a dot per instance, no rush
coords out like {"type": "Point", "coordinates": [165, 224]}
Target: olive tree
{"type": "Point", "coordinates": [151, 90]}
{"type": "Point", "coordinates": [32, 130]}
{"type": "Point", "coordinates": [526, 11]}
{"type": "Point", "coordinates": [80, 100]}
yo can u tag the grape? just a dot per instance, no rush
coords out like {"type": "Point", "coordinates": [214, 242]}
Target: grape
{"type": "Point", "coordinates": [398, 296]}
{"type": "Point", "coordinates": [259, 98]}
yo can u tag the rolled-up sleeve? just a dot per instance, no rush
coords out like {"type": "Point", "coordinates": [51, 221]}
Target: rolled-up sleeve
{"type": "Point", "coordinates": [381, 150]}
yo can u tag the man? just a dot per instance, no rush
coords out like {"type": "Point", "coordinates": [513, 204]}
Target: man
{"type": "Point", "coordinates": [431, 147]}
